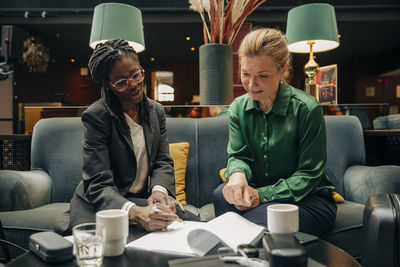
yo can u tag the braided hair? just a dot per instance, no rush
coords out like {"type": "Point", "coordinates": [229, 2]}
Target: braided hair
{"type": "Point", "coordinates": [100, 64]}
{"type": "Point", "coordinates": [105, 55]}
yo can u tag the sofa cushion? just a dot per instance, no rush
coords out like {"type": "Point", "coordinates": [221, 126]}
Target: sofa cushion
{"type": "Point", "coordinates": [361, 182]}
{"type": "Point", "coordinates": [205, 213]}
{"type": "Point", "coordinates": [207, 154]}
{"type": "Point", "coordinates": [38, 219]}
{"type": "Point", "coordinates": [57, 149]}
{"type": "Point", "coordinates": [179, 153]}
{"type": "Point", "coordinates": [345, 148]}
{"type": "Point", "coordinates": [346, 232]}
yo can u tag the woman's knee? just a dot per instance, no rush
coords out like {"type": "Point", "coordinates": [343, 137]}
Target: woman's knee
{"type": "Point", "coordinates": [218, 196]}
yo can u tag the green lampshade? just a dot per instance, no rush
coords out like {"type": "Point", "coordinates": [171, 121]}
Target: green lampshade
{"type": "Point", "coordinates": [117, 21]}
{"type": "Point", "coordinates": [312, 22]}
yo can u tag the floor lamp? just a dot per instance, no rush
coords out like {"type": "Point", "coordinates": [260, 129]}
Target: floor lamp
{"type": "Point", "coordinates": [312, 29]}
{"type": "Point", "coordinates": [117, 21]}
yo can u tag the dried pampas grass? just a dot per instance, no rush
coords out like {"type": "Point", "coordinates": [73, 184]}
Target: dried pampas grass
{"type": "Point", "coordinates": [225, 17]}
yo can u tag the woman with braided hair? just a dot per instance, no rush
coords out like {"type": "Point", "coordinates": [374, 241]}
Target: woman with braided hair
{"type": "Point", "coordinates": [126, 161]}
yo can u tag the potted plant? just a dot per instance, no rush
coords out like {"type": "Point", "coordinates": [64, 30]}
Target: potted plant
{"type": "Point", "coordinates": [225, 18]}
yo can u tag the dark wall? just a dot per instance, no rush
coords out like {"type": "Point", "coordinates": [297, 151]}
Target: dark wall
{"type": "Point", "coordinates": [61, 83]}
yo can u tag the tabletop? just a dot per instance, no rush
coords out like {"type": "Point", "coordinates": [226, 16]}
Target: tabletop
{"type": "Point", "coordinates": [318, 250]}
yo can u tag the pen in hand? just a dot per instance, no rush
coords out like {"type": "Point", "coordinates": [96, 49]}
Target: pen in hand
{"type": "Point", "coordinates": [155, 208]}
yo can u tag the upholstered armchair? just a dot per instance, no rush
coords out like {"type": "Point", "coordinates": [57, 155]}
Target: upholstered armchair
{"type": "Point", "coordinates": [346, 162]}
{"type": "Point", "coordinates": [31, 200]}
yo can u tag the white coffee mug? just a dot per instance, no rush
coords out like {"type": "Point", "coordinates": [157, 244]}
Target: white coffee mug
{"type": "Point", "coordinates": [116, 224]}
{"type": "Point", "coordinates": [283, 218]}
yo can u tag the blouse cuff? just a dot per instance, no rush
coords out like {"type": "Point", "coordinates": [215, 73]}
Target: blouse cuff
{"type": "Point", "coordinates": [160, 188]}
{"type": "Point", "coordinates": [267, 194]}
{"type": "Point", "coordinates": [231, 171]}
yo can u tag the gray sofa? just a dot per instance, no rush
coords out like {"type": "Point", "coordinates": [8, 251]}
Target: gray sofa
{"type": "Point", "coordinates": [31, 200]}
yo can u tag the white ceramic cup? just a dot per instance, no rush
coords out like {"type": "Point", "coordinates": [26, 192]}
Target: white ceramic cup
{"type": "Point", "coordinates": [283, 218]}
{"type": "Point", "coordinates": [116, 226]}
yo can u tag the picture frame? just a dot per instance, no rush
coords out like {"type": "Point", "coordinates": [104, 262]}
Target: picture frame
{"type": "Point", "coordinates": [370, 91]}
{"type": "Point", "coordinates": [327, 85]}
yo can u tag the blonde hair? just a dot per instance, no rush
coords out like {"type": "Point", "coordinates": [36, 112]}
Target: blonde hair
{"type": "Point", "coordinates": [267, 42]}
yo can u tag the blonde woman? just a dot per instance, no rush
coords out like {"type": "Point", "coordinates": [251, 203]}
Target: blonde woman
{"type": "Point", "coordinates": [277, 141]}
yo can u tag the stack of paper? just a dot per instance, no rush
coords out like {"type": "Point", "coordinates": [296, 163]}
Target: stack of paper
{"type": "Point", "coordinates": [197, 238]}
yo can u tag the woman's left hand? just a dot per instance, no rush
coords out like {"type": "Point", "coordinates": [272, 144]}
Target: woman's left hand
{"type": "Point", "coordinates": [254, 199]}
{"type": "Point", "coordinates": [160, 197]}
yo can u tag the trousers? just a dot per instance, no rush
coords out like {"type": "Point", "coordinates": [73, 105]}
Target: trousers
{"type": "Point", "coordinates": [317, 211]}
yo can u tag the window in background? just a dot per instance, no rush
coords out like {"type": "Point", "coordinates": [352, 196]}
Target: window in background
{"type": "Point", "coordinates": [164, 86]}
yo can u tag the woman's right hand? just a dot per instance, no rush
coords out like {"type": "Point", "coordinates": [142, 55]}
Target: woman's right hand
{"type": "Point", "coordinates": [236, 191]}
{"type": "Point", "coordinates": [150, 220]}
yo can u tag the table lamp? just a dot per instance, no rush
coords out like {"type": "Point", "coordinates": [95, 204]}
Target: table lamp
{"type": "Point", "coordinates": [117, 21]}
{"type": "Point", "coordinates": [312, 29]}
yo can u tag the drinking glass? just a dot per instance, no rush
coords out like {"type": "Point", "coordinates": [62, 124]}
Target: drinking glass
{"type": "Point", "coordinates": [89, 243]}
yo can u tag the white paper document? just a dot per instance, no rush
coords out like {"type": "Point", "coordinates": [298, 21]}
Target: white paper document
{"type": "Point", "coordinates": [197, 238]}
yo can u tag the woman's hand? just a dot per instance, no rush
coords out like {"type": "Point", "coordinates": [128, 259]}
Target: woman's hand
{"type": "Point", "coordinates": [170, 202]}
{"type": "Point", "coordinates": [151, 220]}
{"type": "Point", "coordinates": [237, 192]}
{"type": "Point", "coordinates": [254, 199]}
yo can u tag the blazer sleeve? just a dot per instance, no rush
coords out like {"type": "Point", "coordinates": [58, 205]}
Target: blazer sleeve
{"type": "Point", "coordinates": [162, 171]}
{"type": "Point", "coordinates": [98, 179]}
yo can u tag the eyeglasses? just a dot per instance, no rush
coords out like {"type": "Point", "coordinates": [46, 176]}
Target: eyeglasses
{"type": "Point", "coordinates": [122, 84]}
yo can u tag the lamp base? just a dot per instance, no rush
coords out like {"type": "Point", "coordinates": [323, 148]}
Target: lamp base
{"type": "Point", "coordinates": [311, 88]}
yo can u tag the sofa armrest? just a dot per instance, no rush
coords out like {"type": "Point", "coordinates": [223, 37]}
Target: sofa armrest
{"type": "Point", "coordinates": [21, 190]}
{"type": "Point", "coordinates": [361, 182]}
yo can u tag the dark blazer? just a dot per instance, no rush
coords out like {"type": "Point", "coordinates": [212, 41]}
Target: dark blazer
{"type": "Point", "coordinates": [109, 162]}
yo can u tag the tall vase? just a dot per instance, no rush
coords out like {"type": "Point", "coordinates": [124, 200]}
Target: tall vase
{"type": "Point", "coordinates": [216, 74]}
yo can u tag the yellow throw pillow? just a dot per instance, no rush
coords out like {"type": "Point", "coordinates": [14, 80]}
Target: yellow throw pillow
{"type": "Point", "coordinates": [179, 153]}
{"type": "Point", "coordinates": [221, 174]}
{"type": "Point", "coordinates": [338, 198]}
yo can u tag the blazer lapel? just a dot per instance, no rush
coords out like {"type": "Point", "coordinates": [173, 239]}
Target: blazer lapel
{"type": "Point", "coordinates": [126, 134]}
{"type": "Point", "coordinates": [149, 134]}
{"type": "Point", "coordinates": [123, 130]}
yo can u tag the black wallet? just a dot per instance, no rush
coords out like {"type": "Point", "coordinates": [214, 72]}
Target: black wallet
{"type": "Point", "coordinates": [51, 247]}
{"type": "Point", "coordinates": [284, 250]}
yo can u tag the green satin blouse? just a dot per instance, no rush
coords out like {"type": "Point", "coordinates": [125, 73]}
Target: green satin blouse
{"type": "Point", "coordinates": [281, 151]}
